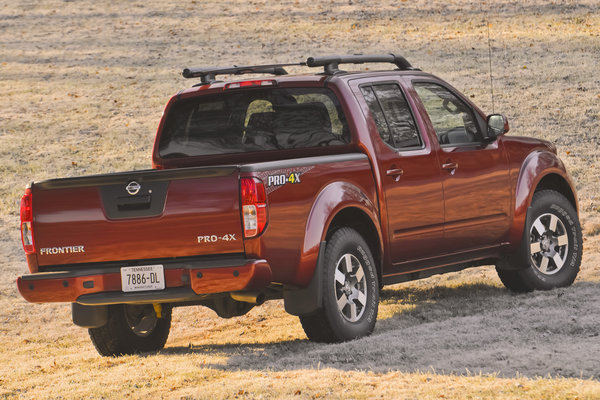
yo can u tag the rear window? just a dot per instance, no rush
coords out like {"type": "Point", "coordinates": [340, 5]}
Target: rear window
{"type": "Point", "coordinates": [253, 120]}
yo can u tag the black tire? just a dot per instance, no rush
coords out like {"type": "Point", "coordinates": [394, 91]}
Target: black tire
{"type": "Point", "coordinates": [552, 248]}
{"type": "Point", "coordinates": [355, 318]}
{"type": "Point", "coordinates": [132, 329]}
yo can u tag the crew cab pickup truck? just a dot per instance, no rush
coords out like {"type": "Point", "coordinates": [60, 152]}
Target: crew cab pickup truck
{"type": "Point", "coordinates": [318, 189]}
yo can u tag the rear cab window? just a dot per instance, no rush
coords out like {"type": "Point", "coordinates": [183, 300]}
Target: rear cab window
{"type": "Point", "coordinates": [253, 120]}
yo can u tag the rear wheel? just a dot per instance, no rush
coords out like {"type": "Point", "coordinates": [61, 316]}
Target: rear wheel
{"type": "Point", "coordinates": [132, 329]}
{"type": "Point", "coordinates": [350, 291]}
{"type": "Point", "coordinates": [553, 246]}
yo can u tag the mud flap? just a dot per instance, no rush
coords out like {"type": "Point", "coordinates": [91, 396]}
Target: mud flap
{"type": "Point", "coordinates": [89, 316]}
{"type": "Point", "coordinates": [519, 259]}
{"type": "Point", "coordinates": [307, 300]}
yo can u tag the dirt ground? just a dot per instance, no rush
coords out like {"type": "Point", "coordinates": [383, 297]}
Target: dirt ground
{"type": "Point", "coordinates": [83, 85]}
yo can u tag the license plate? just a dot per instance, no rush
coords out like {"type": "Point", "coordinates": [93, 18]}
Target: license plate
{"type": "Point", "coordinates": [143, 277]}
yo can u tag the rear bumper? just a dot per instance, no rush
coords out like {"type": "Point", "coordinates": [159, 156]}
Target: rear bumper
{"type": "Point", "coordinates": [187, 281]}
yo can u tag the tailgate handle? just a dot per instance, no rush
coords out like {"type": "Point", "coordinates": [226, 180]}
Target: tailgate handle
{"type": "Point", "coordinates": [134, 203]}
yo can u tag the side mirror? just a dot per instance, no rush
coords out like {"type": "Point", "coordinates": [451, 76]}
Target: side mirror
{"type": "Point", "coordinates": [497, 125]}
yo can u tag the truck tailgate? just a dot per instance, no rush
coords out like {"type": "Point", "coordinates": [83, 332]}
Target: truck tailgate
{"type": "Point", "coordinates": [137, 215]}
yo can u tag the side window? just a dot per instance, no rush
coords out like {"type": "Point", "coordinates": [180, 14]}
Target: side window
{"type": "Point", "coordinates": [392, 115]}
{"type": "Point", "coordinates": [452, 119]}
{"type": "Point", "coordinates": [375, 108]}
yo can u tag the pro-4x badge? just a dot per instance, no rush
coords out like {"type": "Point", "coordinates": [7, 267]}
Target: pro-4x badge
{"type": "Point", "coordinates": [277, 179]}
{"type": "Point", "coordinates": [282, 179]}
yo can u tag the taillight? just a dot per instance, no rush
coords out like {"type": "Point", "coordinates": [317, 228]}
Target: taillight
{"type": "Point", "coordinates": [254, 206]}
{"type": "Point", "coordinates": [26, 222]}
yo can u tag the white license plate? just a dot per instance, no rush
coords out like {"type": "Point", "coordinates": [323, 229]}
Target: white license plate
{"type": "Point", "coordinates": [143, 277]}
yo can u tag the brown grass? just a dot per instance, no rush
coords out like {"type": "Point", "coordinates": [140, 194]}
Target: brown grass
{"type": "Point", "coordinates": [83, 87]}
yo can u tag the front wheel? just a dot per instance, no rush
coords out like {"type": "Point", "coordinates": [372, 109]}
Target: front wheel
{"type": "Point", "coordinates": [350, 291]}
{"type": "Point", "coordinates": [553, 246]}
{"type": "Point", "coordinates": [132, 329]}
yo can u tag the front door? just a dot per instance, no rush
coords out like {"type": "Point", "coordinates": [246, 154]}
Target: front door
{"type": "Point", "coordinates": [475, 176]}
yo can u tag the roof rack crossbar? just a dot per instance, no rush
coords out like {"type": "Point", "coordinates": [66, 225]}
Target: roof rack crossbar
{"type": "Point", "coordinates": [331, 63]}
{"type": "Point", "coordinates": [208, 74]}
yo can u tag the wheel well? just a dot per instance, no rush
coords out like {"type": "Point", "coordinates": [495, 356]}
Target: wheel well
{"type": "Point", "coordinates": [359, 221]}
{"type": "Point", "coordinates": [558, 184]}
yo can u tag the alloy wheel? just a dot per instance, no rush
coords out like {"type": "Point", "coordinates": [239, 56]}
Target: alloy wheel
{"type": "Point", "coordinates": [350, 287]}
{"type": "Point", "coordinates": [549, 244]}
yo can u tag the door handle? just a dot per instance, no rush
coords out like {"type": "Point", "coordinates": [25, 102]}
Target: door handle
{"type": "Point", "coordinates": [451, 166]}
{"type": "Point", "coordinates": [396, 173]}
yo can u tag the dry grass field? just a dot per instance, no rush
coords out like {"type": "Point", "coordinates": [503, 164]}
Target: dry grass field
{"type": "Point", "coordinates": [82, 87]}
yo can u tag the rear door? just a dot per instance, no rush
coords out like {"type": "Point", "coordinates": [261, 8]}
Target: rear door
{"type": "Point", "coordinates": [474, 172]}
{"type": "Point", "coordinates": [138, 215]}
{"type": "Point", "coordinates": [410, 173]}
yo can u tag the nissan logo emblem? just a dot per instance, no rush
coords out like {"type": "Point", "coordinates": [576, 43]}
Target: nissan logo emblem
{"type": "Point", "coordinates": [133, 188]}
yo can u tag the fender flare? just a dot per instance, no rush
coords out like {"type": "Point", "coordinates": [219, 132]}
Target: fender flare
{"type": "Point", "coordinates": [536, 166]}
{"type": "Point", "coordinates": [332, 199]}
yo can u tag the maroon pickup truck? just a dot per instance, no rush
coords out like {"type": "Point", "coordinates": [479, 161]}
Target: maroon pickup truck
{"type": "Point", "coordinates": [317, 189]}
